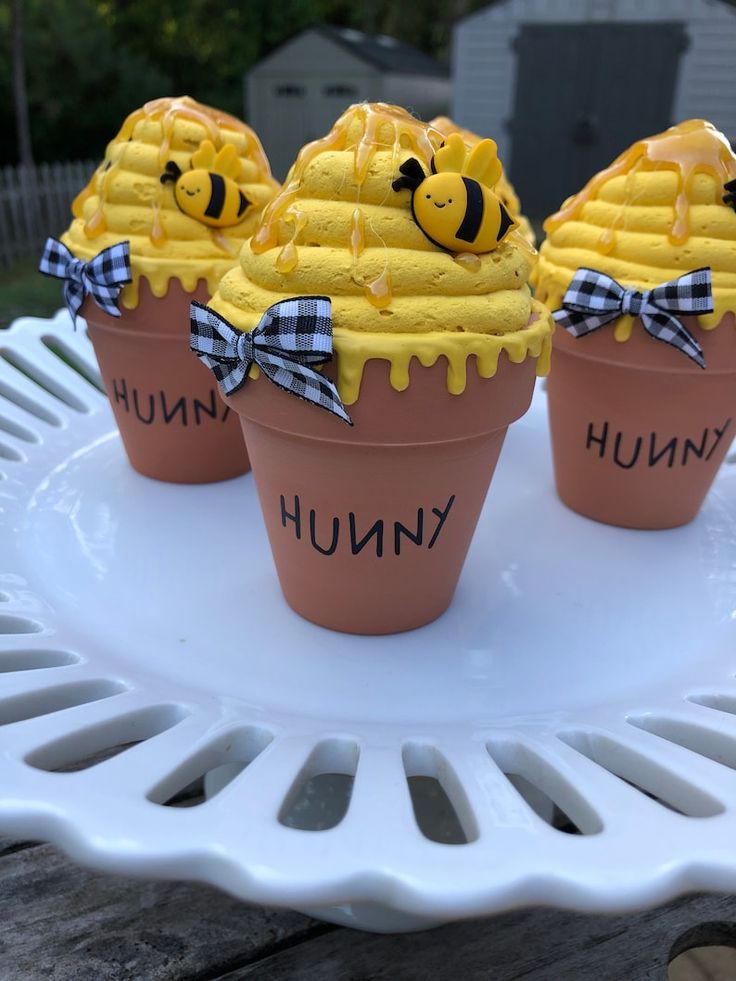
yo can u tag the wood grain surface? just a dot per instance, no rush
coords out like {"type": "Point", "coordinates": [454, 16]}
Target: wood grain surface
{"type": "Point", "coordinates": [65, 923]}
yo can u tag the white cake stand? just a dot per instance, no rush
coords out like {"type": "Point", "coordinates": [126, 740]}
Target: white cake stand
{"type": "Point", "coordinates": [564, 735]}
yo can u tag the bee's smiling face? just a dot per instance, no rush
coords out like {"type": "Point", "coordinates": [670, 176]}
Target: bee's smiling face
{"type": "Point", "coordinates": [191, 193]}
{"type": "Point", "coordinates": [439, 205]}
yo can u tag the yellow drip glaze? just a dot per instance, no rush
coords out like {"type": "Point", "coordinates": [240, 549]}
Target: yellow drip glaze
{"type": "Point", "coordinates": [654, 214]}
{"type": "Point", "coordinates": [126, 201]}
{"type": "Point", "coordinates": [354, 350]}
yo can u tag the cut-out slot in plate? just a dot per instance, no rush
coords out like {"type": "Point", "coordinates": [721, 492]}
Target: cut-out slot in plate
{"type": "Point", "coordinates": [13, 428]}
{"type": "Point", "coordinates": [28, 405]}
{"type": "Point", "coordinates": [31, 660]}
{"type": "Point", "coordinates": [10, 453]}
{"type": "Point", "coordinates": [713, 745]}
{"type": "Point", "coordinates": [544, 789]}
{"type": "Point", "coordinates": [50, 385]}
{"type": "Point", "coordinates": [18, 625]}
{"type": "Point", "coordinates": [88, 747]}
{"type": "Point", "coordinates": [715, 700]}
{"type": "Point", "coordinates": [31, 706]}
{"type": "Point", "coordinates": [207, 772]}
{"type": "Point", "coordinates": [643, 774]}
{"type": "Point", "coordinates": [73, 359]}
{"type": "Point", "coordinates": [441, 808]}
{"type": "Point", "coordinates": [320, 796]}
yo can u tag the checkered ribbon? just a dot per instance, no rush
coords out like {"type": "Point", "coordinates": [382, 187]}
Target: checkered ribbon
{"type": "Point", "coordinates": [594, 299]}
{"type": "Point", "coordinates": [102, 277]}
{"type": "Point", "coordinates": [291, 336]}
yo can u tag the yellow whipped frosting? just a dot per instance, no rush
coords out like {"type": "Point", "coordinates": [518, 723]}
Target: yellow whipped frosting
{"type": "Point", "coordinates": [657, 212]}
{"type": "Point", "coordinates": [504, 188]}
{"type": "Point", "coordinates": [126, 200]}
{"type": "Point", "coordinates": [337, 228]}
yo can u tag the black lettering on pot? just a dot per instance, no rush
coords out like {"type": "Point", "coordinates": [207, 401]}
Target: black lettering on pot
{"type": "Point", "coordinates": [179, 406]}
{"type": "Point", "coordinates": [120, 391]}
{"type": "Point", "coordinates": [601, 440]}
{"type": "Point", "coordinates": [157, 407]}
{"type": "Point", "coordinates": [415, 537]}
{"type": "Point", "coordinates": [151, 408]}
{"type": "Point", "coordinates": [632, 460]}
{"type": "Point", "coordinates": [442, 515]}
{"type": "Point", "coordinates": [313, 536]}
{"type": "Point", "coordinates": [327, 531]}
{"type": "Point", "coordinates": [656, 456]}
{"type": "Point", "coordinates": [625, 449]}
{"type": "Point", "coordinates": [357, 546]}
{"type": "Point", "coordinates": [295, 517]}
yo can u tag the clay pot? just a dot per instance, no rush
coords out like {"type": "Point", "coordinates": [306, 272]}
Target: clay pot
{"type": "Point", "coordinates": [172, 423]}
{"type": "Point", "coordinates": [638, 430]}
{"type": "Point", "coordinates": [369, 526]}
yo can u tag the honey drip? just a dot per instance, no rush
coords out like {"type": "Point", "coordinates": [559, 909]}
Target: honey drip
{"type": "Point", "coordinates": [288, 257]}
{"type": "Point", "coordinates": [168, 110]}
{"type": "Point", "coordinates": [468, 260]}
{"type": "Point", "coordinates": [517, 238]}
{"type": "Point", "coordinates": [222, 242]}
{"type": "Point", "coordinates": [96, 225]}
{"type": "Point", "coordinates": [406, 131]}
{"type": "Point", "coordinates": [357, 234]}
{"type": "Point", "coordinates": [690, 148]}
{"type": "Point", "coordinates": [378, 291]}
{"type": "Point", "coordinates": [158, 235]}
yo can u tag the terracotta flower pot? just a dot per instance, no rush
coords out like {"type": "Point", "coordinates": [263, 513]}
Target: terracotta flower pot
{"type": "Point", "coordinates": [172, 423]}
{"type": "Point", "coordinates": [369, 526]}
{"type": "Point", "coordinates": [638, 430]}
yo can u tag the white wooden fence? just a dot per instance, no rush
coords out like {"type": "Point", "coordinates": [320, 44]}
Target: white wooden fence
{"type": "Point", "coordinates": [35, 202]}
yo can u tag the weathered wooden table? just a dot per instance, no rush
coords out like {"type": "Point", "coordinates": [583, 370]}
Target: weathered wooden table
{"type": "Point", "coordinates": [66, 923]}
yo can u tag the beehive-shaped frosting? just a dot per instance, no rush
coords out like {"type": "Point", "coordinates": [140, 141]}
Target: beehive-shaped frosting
{"type": "Point", "coordinates": [657, 212]}
{"type": "Point", "coordinates": [504, 188]}
{"type": "Point", "coordinates": [126, 199]}
{"type": "Point", "coordinates": [337, 228]}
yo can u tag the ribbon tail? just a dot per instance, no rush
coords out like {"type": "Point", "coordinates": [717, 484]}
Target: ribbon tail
{"type": "Point", "coordinates": [74, 298]}
{"type": "Point", "coordinates": [668, 329]}
{"type": "Point", "coordinates": [302, 381]}
{"type": "Point", "coordinates": [579, 323]}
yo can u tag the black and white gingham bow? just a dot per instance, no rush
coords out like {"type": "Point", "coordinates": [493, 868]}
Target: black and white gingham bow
{"type": "Point", "coordinates": [102, 277]}
{"type": "Point", "coordinates": [291, 336]}
{"type": "Point", "coordinates": [594, 299]}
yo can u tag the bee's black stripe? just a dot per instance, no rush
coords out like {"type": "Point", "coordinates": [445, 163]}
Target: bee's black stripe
{"type": "Point", "coordinates": [217, 196]}
{"type": "Point", "coordinates": [244, 202]}
{"type": "Point", "coordinates": [468, 230]}
{"type": "Point", "coordinates": [506, 222]}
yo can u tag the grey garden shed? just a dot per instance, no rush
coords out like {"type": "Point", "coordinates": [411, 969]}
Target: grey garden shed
{"type": "Point", "coordinates": [295, 94]}
{"type": "Point", "coordinates": [564, 86]}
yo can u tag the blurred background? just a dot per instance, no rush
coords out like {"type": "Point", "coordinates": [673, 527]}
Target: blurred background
{"type": "Point", "coordinates": [563, 86]}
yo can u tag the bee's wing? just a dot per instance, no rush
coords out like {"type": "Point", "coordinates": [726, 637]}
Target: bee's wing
{"type": "Point", "coordinates": [204, 156]}
{"type": "Point", "coordinates": [227, 162]}
{"type": "Point", "coordinates": [483, 163]}
{"type": "Point", "coordinates": [451, 155]}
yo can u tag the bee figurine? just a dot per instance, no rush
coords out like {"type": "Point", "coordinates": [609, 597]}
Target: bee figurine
{"type": "Point", "coordinates": [455, 206]}
{"type": "Point", "coordinates": [208, 192]}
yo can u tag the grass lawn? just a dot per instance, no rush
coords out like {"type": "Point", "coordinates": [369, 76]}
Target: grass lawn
{"type": "Point", "coordinates": [25, 292]}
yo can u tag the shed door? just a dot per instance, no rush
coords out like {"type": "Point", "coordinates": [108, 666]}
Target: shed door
{"type": "Point", "coordinates": [584, 93]}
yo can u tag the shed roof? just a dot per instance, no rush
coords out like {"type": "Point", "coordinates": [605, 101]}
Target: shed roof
{"type": "Point", "coordinates": [380, 51]}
